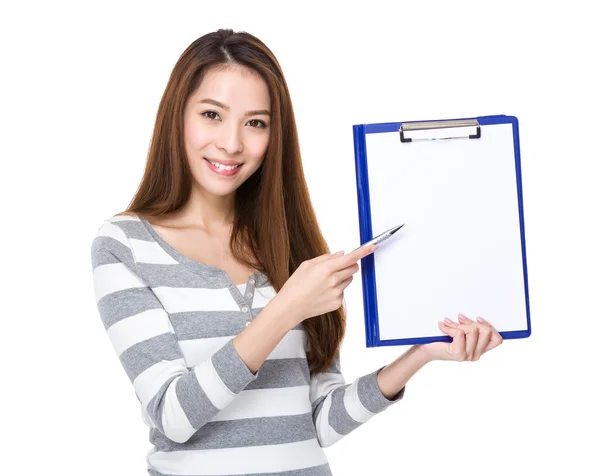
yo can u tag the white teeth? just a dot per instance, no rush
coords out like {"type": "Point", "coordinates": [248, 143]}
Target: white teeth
{"type": "Point", "coordinates": [224, 167]}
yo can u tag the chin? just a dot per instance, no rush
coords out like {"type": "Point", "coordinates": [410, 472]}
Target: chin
{"type": "Point", "coordinates": [218, 191]}
{"type": "Point", "coordinates": [209, 187]}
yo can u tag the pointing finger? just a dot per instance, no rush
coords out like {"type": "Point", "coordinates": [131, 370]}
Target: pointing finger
{"type": "Point", "coordinates": [326, 256]}
{"type": "Point", "coordinates": [355, 256]}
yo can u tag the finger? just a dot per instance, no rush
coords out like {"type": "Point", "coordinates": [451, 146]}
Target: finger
{"type": "Point", "coordinates": [464, 319]}
{"type": "Point", "coordinates": [449, 329]}
{"type": "Point", "coordinates": [450, 323]}
{"type": "Point", "coordinates": [326, 256]}
{"type": "Point", "coordinates": [346, 272]}
{"type": "Point", "coordinates": [495, 339]}
{"type": "Point", "coordinates": [471, 338]}
{"type": "Point", "coordinates": [457, 347]}
{"type": "Point", "coordinates": [463, 327]}
{"type": "Point", "coordinates": [355, 256]}
{"type": "Point", "coordinates": [485, 323]}
{"type": "Point", "coordinates": [345, 283]}
{"type": "Point", "coordinates": [485, 335]}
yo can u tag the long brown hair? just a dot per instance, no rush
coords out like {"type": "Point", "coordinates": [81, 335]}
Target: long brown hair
{"type": "Point", "coordinates": [274, 226]}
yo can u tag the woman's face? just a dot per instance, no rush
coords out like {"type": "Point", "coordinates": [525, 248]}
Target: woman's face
{"type": "Point", "coordinates": [227, 122]}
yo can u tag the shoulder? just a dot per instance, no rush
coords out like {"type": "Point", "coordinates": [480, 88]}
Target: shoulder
{"type": "Point", "coordinates": [119, 227]}
{"type": "Point", "coordinates": [113, 237]}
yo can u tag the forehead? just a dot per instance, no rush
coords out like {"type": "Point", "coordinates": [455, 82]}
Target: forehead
{"type": "Point", "coordinates": [236, 86]}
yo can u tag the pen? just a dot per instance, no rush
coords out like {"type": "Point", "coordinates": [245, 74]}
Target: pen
{"type": "Point", "coordinates": [381, 238]}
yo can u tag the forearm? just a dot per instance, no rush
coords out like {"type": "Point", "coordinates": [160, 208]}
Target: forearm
{"type": "Point", "coordinates": [257, 341]}
{"type": "Point", "coordinates": [393, 378]}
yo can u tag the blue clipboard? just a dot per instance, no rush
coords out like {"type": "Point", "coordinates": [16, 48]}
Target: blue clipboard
{"type": "Point", "coordinates": [394, 157]}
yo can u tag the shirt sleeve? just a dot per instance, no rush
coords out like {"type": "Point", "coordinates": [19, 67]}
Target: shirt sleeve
{"type": "Point", "coordinates": [339, 408]}
{"type": "Point", "coordinates": [177, 400]}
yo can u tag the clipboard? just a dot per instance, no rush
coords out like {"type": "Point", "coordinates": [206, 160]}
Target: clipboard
{"type": "Point", "coordinates": [457, 186]}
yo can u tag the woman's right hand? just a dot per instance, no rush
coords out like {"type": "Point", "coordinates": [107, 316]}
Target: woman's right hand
{"type": "Point", "coordinates": [317, 286]}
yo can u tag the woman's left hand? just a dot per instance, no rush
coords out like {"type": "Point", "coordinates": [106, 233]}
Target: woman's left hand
{"type": "Point", "coordinates": [470, 340]}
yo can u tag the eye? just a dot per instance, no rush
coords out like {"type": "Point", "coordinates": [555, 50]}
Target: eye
{"type": "Point", "coordinates": [257, 123]}
{"type": "Point", "coordinates": [211, 115]}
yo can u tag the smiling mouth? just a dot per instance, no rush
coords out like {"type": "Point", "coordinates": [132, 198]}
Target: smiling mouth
{"type": "Point", "coordinates": [223, 170]}
{"type": "Point", "coordinates": [223, 166]}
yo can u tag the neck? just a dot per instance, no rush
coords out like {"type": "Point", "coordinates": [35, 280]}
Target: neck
{"type": "Point", "coordinates": [207, 211]}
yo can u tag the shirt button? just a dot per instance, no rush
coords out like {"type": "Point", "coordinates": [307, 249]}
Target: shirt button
{"type": "Point", "coordinates": [249, 294]}
{"type": "Point", "coordinates": [252, 281]}
{"type": "Point", "coordinates": [245, 309]}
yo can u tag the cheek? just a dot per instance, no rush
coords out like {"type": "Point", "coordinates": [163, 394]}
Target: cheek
{"type": "Point", "coordinates": [257, 147]}
{"type": "Point", "coordinates": [195, 137]}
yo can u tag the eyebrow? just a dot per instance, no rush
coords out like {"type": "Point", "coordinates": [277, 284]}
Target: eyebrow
{"type": "Point", "coordinates": [214, 102]}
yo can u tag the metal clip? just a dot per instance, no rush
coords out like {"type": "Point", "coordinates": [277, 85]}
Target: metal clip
{"type": "Point", "coordinates": [419, 126]}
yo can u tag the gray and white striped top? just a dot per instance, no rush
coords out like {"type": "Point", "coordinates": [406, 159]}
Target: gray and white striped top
{"type": "Point", "coordinates": [171, 321]}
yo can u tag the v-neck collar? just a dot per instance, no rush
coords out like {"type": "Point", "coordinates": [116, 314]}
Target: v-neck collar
{"type": "Point", "coordinates": [255, 279]}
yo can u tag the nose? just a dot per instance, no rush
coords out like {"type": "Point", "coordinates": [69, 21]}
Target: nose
{"type": "Point", "coordinates": [230, 139]}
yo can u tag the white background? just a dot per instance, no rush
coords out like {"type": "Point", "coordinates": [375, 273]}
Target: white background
{"type": "Point", "coordinates": [81, 84]}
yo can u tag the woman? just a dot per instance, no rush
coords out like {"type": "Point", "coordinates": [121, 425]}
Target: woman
{"type": "Point", "coordinates": [219, 293]}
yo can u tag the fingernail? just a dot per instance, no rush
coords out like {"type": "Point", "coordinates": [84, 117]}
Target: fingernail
{"type": "Point", "coordinates": [479, 319]}
{"type": "Point", "coordinates": [441, 323]}
{"type": "Point", "coordinates": [447, 320]}
{"type": "Point", "coordinates": [374, 247]}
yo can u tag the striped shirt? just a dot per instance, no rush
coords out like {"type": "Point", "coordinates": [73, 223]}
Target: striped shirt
{"type": "Point", "coordinates": [171, 321]}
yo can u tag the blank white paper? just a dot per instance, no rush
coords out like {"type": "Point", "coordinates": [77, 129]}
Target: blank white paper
{"type": "Point", "coordinates": [460, 250]}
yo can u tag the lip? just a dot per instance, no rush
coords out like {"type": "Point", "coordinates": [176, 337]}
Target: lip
{"type": "Point", "coordinates": [222, 173]}
{"type": "Point", "coordinates": [223, 162]}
